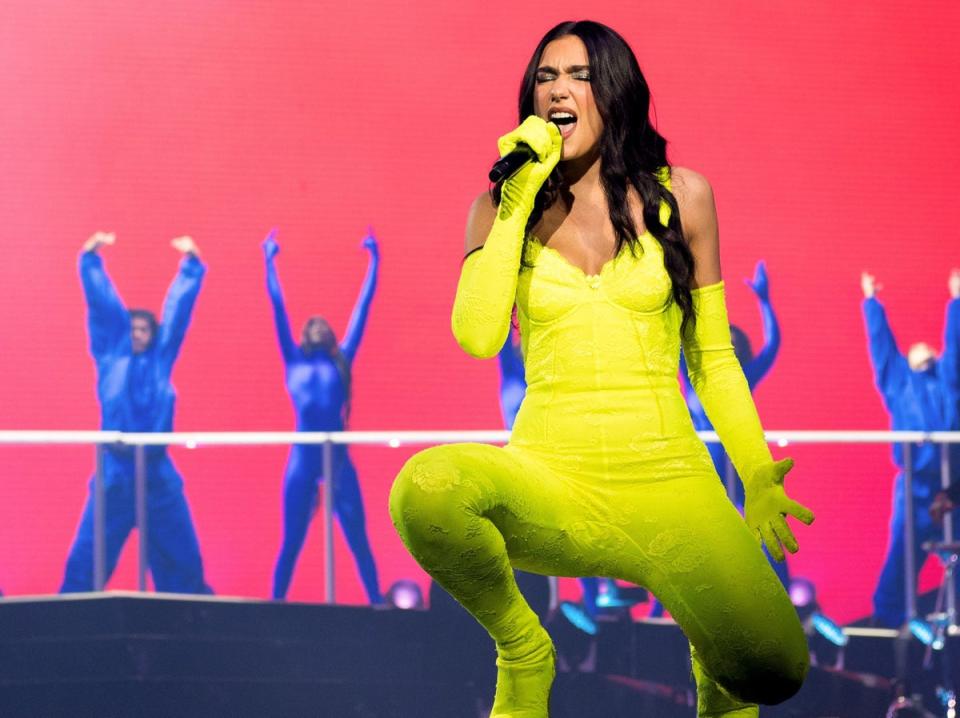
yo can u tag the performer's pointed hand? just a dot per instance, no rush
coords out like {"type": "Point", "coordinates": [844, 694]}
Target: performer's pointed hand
{"type": "Point", "coordinates": [370, 244]}
{"type": "Point", "coordinates": [98, 238]}
{"type": "Point", "coordinates": [869, 285]}
{"type": "Point", "coordinates": [270, 247]}
{"type": "Point", "coordinates": [953, 284]}
{"type": "Point", "coordinates": [760, 284]}
{"type": "Point", "coordinates": [767, 506]}
{"type": "Point", "coordinates": [185, 245]}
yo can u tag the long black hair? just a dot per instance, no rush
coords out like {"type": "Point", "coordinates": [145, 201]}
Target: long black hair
{"type": "Point", "coordinates": [632, 152]}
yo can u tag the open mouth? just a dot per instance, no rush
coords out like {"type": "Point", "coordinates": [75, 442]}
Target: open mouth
{"type": "Point", "coordinates": [565, 121]}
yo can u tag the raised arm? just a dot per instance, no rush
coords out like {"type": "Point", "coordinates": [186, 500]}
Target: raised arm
{"type": "Point", "coordinates": [487, 288]}
{"type": "Point", "coordinates": [358, 318]}
{"type": "Point", "coordinates": [288, 347]}
{"type": "Point", "coordinates": [890, 369]}
{"type": "Point", "coordinates": [950, 359]}
{"type": "Point", "coordinates": [180, 299]}
{"type": "Point", "coordinates": [758, 367]}
{"type": "Point", "coordinates": [108, 321]}
{"type": "Point", "coordinates": [718, 379]}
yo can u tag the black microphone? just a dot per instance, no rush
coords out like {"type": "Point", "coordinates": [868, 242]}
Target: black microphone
{"type": "Point", "coordinates": [506, 166]}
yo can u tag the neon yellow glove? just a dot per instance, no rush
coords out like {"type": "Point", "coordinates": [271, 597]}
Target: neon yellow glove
{"type": "Point", "coordinates": [488, 280]}
{"type": "Point", "coordinates": [717, 377]}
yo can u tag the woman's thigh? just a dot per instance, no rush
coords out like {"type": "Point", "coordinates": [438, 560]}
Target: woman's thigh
{"type": "Point", "coordinates": [694, 551]}
{"type": "Point", "coordinates": [457, 493]}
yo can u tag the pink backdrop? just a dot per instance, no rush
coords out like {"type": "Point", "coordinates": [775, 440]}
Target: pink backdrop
{"type": "Point", "coordinates": [829, 136]}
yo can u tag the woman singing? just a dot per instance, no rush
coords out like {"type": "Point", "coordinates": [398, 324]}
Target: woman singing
{"type": "Point", "coordinates": [611, 257]}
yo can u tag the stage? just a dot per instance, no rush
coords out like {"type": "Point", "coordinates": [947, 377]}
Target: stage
{"type": "Point", "coordinates": [122, 654]}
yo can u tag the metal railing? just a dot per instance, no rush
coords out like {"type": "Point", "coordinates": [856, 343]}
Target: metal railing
{"type": "Point", "coordinates": [138, 441]}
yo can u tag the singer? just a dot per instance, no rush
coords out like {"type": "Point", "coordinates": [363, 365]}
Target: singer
{"type": "Point", "coordinates": [611, 257]}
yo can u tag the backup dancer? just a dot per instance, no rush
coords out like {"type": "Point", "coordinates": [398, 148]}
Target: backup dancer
{"type": "Point", "coordinates": [319, 379]}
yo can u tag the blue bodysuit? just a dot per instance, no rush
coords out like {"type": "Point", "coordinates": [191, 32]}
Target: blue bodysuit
{"type": "Point", "coordinates": [319, 395]}
{"type": "Point", "coordinates": [916, 401]}
{"type": "Point", "coordinates": [135, 394]}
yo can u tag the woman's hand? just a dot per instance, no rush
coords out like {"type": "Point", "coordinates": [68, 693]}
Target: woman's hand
{"type": "Point", "coordinates": [760, 284]}
{"type": "Point", "coordinates": [370, 244]}
{"type": "Point", "coordinates": [185, 245]}
{"type": "Point", "coordinates": [270, 246]}
{"type": "Point", "coordinates": [767, 506]}
{"type": "Point", "coordinates": [941, 505]}
{"type": "Point", "coordinates": [868, 283]}
{"type": "Point", "coordinates": [98, 238]}
{"type": "Point", "coordinates": [519, 191]}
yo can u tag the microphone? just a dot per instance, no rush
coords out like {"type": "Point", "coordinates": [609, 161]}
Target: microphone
{"type": "Point", "coordinates": [507, 165]}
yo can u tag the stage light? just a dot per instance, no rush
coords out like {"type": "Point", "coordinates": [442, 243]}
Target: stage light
{"type": "Point", "coordinates": [394, 443]}
{"type": "Point", "coordinates": [803, 594]}
{"type": "Point", "coordinates": [578, 617]}
{"type": "Point", "coordinates": [829, 629]}
{"type": "Point", "coordinates": [405, 594]}
{"type": "Point", "coordinates": [922, 631]}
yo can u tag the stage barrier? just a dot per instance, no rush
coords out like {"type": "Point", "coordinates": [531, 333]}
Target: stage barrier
{"type": "Point", "coordinates": [395, 439]}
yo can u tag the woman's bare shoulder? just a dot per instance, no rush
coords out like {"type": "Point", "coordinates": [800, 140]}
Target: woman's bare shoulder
{"type": "Point", "coordinates": [698, 215]}
{"type": "Point", "coordinates": [690, 187]}
{"type": "Point", "coordinates": [480, 219]}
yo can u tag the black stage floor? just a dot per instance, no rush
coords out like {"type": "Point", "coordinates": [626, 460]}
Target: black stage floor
{"type": "Point", "coordinates": [130, 655]}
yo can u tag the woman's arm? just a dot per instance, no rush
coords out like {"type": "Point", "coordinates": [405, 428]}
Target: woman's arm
{"type": "Point", "coordinates": [358, 319]}
{"type": "Point", "coordinates": [718, 379]}
{"type": "Point", "coordinates": [487, 288]}
{"type": "Point", "coordinates": [108, 321]}
{"type": "Point", "coordinates": [890, 369]}
{"type": "Point", "coordinates": [181, 298]}
{"type": "Point", "coordinates": [950, 359]}
{"type": "Point", "coordinates": [288, 348]}
{"type": "Point", "coordinates": [758, 367]}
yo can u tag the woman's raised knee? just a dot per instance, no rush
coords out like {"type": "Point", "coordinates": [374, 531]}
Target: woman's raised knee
{"type": "Point", "coordinates": [768, 677]}
{"type": "Point", "coordinates": [431, 494]}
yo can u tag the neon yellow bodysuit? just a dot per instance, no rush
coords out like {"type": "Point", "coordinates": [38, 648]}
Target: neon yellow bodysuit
{"type": "Point", "coordinates": [605, 476]}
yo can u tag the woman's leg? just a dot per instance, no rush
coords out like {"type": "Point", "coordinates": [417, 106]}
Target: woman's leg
{"type": "Point", "coordinates": [466, 512]}
{"type": "Point", "coordinates": [695, 552]}
{"type": "Point", "coordinates": [299, 503]}
{"type": "Point", "coordinates": [348, 505]}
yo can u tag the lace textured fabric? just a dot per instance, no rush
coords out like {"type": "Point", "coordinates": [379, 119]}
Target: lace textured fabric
{"type": "Point", "coordinates": [604, 476]}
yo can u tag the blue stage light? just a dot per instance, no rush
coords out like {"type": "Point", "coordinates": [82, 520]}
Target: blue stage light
{"type": "Point", "coordinates": [579, 618]}
{"type": "Point", "coordinates": [829, 629]}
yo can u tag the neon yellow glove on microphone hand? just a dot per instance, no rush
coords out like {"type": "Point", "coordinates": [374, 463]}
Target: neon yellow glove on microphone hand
{"type": "Point", "coordinates": [488, 280]}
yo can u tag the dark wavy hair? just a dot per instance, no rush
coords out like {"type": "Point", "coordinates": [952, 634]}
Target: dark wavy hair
{"type": "Point", "coordinates": [632, 152]}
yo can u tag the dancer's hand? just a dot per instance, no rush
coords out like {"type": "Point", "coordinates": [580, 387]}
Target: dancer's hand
{"type": "Point", "coordinates": [370, 244]}
{"type": "Point", "coordinates": [270, 247]}
{"type": "Point", "coordinates": [869, 285]}
{"type": "Point", "coordinates": [767, 506]}
{"type": "Point", "coordinates": [98, 238]}
{"type": "Point", "coordinates": [520, 190]}
{"type": "Point", "coordinates": [953, 284]}
{"type": "Point", "coordinates": [185, 245]}
{"type": "Point", "coordinates": [940, 506]}
{"type": "Point", "coordinates": [760, 284]}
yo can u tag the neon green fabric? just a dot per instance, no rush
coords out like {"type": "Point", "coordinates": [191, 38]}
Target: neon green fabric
{"type": "Point", "coordinates": [488, 280]}
{"type": "Point", "coordinates": [605, 476]}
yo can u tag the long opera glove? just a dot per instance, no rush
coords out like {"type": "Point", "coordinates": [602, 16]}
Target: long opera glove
{"type": "Point", "coordinates": [488, 280]}
{"type": "Point", "coordinates": [718, 379]}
